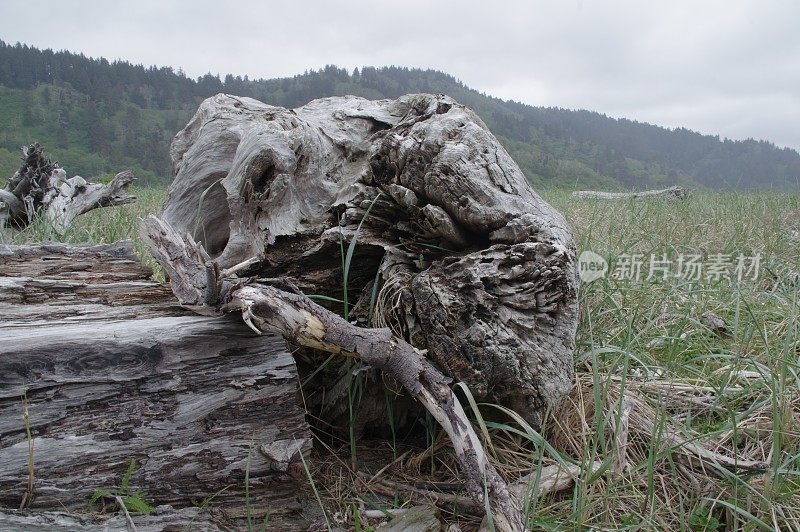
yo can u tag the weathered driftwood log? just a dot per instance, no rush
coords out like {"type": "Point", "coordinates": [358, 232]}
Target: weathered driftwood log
{"type": "Point", "coordinates": [41, 188]}
{"type": "Point", "coordinates": [275, 305]}
{"type": "Point", "coordinates": [470, 263]}
{"type": "Point", "coordinates": [666, 193]}
{"type": "Point", "coordinates": [163, 518]}
{"type": "Point", "coordinates": [110, 369]}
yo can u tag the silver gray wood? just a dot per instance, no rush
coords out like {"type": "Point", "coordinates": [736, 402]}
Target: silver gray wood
{"type": "Point", "coordinates": [473, 265]}
{"type": "Point", "coordinates": [665, 193]}
{"type": "Point", "coordinates": [164, 518]}
{"type": "Point", "coordinates": [112, 369]}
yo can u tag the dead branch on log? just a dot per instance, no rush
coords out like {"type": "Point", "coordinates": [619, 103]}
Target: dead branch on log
{"type": "Point", "coordinates": [666, 193]}
{"type": "Point", "coordinates": [277, 306]}
{"type": "Point", "coordinates": [390, 488]}
{"type": "Point", "coordinates": [40, 188]}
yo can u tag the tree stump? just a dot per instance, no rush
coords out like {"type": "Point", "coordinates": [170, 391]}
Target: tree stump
{"type": "Point", "coordinates": [466, 262]}
{"type": "Point", "coordinates": [109, 368]}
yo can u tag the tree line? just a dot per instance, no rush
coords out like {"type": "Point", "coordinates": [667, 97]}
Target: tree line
{"type": "Point", "coordinates": [98, 116]}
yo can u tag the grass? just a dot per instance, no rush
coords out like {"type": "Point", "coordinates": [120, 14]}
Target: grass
{"type": "Point", "coordinates": [100, 226]}
{"type": "Point", "coordinates": [645, 344]}
{"type": "Point", "coordinates": [646, 362]}
{"type": "Point", "coordinates": [128, 499]}
{"type": "Point", "coordinates": [735, 393]}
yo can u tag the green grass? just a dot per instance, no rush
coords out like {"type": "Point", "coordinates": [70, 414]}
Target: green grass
{"type": "Point", "coordinates": [635, 338]}
{"type": "Point", "coordinates": [735, 393]}
{"type": "Point", "coordinates": [131, 500]}
{"type": "Point", "coordinates": [100, 226]}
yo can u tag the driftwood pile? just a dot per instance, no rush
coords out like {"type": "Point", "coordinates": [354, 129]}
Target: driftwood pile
{"type": "Point", "coordinates": [457, 260]}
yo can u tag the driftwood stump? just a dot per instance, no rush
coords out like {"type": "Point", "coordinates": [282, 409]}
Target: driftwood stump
{"type": "Point", "coordinates": [40, 188]}
{"type": "Point", "coordinates": [408, 210]}
{"type": "Point", "coordinates": [470, 263]}
{"type": "Point", "coordinates": [110, 369]}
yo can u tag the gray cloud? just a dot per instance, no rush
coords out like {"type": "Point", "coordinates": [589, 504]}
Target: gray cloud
{"type": "Point", "coordinates": [720, 67]}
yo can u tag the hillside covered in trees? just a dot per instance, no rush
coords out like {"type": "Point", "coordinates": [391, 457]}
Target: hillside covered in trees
{"type": "Point", "coordinates": [98, 117]}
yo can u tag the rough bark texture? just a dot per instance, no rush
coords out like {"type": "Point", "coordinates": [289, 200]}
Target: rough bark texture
{"type": "Point", "coordinates": [111, 369]}
{"type": "Point", "coordinates": [41, 188]}
{"type": "Point", "coordinates": [163, 519]}
{"type": "Point", "coordinates": [666, 193]}
{"type": "Point", "coordinates": [278, 306]}
{"type": "Point", "coordinates": [472, 265]}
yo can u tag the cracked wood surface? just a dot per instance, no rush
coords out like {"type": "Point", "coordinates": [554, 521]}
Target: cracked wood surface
{"type": "Point", "coordinates": [112, 369]}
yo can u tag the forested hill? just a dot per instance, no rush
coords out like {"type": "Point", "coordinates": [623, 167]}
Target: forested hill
{"type": "Point", "coordinates": [97, 117]}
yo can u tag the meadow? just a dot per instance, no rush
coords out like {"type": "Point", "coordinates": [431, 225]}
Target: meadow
{"type": "Point", "coordinates": [686, 409]}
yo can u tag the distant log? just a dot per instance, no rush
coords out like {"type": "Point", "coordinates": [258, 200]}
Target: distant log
{"type": "Point", "coordinates": [110, 368]}
{"type": "Point", "coordinates": [666, 193]}
{"type": "Point", "coordinates": [41, 188]}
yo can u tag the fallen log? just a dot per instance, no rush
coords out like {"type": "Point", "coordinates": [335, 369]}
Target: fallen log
{"type": "Point", "coordinates": [666, 193]}
{"type": "Point", "coordinates": [101, 367]}
{"type": "Point", "coordinates": [40, 188]}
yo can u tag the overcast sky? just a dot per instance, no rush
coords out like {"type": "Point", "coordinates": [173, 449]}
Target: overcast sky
{"type": "Point", "coordinates": [729, 67]}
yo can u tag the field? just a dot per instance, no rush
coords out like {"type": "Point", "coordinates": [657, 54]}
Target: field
{"type": "Point", "coordinates": [661, 381]}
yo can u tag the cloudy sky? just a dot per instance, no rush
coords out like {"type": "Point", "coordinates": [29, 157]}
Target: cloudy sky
{"type": "Point", "coordinates": [728, 67]}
